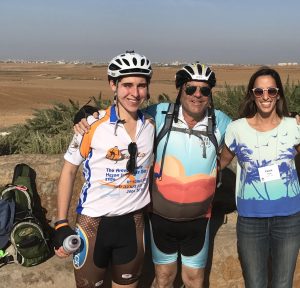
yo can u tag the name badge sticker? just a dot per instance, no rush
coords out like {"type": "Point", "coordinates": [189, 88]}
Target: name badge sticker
{"type": "Point", "coordinates": [269, 173]}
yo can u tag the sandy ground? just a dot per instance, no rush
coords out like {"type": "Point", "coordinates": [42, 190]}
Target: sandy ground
{"type": "Point", "coordinates": [25, 87]}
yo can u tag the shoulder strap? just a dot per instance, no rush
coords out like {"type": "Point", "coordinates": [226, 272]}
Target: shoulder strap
{"type": "Point", "coordinates": [167, 124]}
{"type": "Point", "coordinates": [166, 129]}
{"type": "Point", "coordinates": [212, 137]}
{"type": "Point", "coordinates": [17, 189]}
{"type": "Point", "coordinates": [211, 128]}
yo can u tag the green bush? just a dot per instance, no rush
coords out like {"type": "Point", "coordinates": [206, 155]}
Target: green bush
{"type": "Point", "coordinates": [229, 100]}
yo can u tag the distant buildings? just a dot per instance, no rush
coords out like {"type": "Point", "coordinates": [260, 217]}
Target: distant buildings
{"type": "Point", "coordinates": [173, 63]}
{"type": "Point", "coordinates": [287, 64]}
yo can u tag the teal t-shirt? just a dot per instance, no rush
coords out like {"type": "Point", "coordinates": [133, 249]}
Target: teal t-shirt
{"type": "Point", "coordinates": [267, 181]}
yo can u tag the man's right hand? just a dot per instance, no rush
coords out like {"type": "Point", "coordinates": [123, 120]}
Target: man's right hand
{"type": "Point", "coordinates": [82, 126]}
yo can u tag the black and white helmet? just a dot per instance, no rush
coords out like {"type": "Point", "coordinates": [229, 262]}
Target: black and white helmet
{"type": "Point", "coordinates": [129, 63]}
{"type": "Point", "coordinates": [195, 72]}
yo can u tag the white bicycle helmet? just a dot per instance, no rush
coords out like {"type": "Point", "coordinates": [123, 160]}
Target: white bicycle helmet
{"type": "Point", "coordinates": [195, 72]}
{"type": "Point", "coordinates": [129, 63]}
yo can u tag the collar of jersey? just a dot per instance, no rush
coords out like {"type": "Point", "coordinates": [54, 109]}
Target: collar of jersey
{"type": "Point", "coordinates": [114, 117]}
{"type": "Point", "coordinates": [203, 122]}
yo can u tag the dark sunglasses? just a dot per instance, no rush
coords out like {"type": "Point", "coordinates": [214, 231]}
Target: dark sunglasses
{"type": "Point", "coordinates": [205, 91]}
{"type": "Point", "coordinates": [259, 92]}
{"type": "Point", "coordinates": [131, 163]}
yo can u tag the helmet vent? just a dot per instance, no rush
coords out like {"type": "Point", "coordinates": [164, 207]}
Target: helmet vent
{"type": "Point", "coordinates": [189, 69]}
{"type": "Point", "coordinates": [126, 62]}
{"type": "Point", "coordinates": [134, 61]}
{"type": "Point", "coordinates": [199, 69]}
{"type": "Point", "coordinates": [113, 67]}
{"type": "Point", "coordinates": [208, 71]}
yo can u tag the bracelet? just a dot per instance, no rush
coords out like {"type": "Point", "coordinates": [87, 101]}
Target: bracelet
{"type": "Point", "coordinates": [61, 222]}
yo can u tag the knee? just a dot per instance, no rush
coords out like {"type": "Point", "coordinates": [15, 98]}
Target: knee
{"type": "Point", "coordinates": [193, 278]}
{"type": "Point", "coordinates": [164, 279]}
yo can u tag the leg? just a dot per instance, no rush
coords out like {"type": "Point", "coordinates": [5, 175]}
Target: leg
{"type": "Point", "coordinates": [253, 248]}
{"type": "Point", "coordinates": [285, 244]}
{"type": "Point", "coordinates": [87, 274]}
{"type": "Point", "coordinates": [193, 266]}
{"type": "Point", "coordinates": [115, 285]}
{"type": "Point", "coordinates": [164, 248]}
{"type": "Point", "coordinates": [192, 277]}
{"type": "Point", "coordinates": [128, 251]}
{"type": "Point", "coordinates": [164, 275]}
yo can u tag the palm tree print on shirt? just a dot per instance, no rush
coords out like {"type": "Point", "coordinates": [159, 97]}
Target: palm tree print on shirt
{"type": "Point", "coordinates": [250, 174]}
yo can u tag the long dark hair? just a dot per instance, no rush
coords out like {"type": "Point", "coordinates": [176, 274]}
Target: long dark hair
{"type": "Point", "coordinates": [248, 107]}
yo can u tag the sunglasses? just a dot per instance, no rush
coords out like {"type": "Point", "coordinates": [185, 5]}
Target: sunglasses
{"type": "Point", "coordinates": [131, 163]}
{"type": "Point", "coordinates": [259, 92]}
{"type": "Point", "coordinates": [205, 91]}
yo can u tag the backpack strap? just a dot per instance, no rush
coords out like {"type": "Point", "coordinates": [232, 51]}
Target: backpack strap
{"type": "Point", "coordinates": [20, 188]}
{"type": "Point", "coordinates": [166, 129]}
{"type": "Point", "coordinates": [167, 124]}
{"type": "Point", "coordinates": [211, 126]}
{"type": "Point", "coordinates": [212, 137]}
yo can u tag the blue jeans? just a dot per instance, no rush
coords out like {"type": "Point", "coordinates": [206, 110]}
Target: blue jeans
{"type": "Point", "coordinates": [263, 239]}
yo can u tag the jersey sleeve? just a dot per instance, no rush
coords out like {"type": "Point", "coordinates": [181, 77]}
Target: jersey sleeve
{"type": "Point", "coordinates": [223, 120]}
{"type": "Point", "coordinates": [297, 134]}
{"type": "Point", "coordinates": [230, 137]}
{"type": "Point", "coordinates": [79, 146]}
{"type": "Point", "coordinates": [73, 154]}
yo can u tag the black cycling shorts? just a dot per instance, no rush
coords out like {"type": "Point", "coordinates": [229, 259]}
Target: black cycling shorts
{"type": "Point", "coordinates": [117, 241]}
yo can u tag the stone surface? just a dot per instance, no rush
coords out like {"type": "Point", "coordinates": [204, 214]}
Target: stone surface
{"type": "Point", "coordinates": [223, 268]}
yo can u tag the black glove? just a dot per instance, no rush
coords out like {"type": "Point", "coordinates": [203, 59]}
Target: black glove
{"type": "Point", "coordinates": [61, 234]}
{"type": "Point", "coordinates": [84, 112]}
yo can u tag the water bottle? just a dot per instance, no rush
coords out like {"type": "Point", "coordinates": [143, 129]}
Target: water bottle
{"type": "Point", "coordinates": [71, 243]}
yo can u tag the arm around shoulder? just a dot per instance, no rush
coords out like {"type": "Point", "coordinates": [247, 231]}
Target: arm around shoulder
{"type": "Point", "coordinates": [226, 157]}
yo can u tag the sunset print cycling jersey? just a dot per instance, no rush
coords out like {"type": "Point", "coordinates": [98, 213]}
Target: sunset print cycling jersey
{"type": "Point", "coordinates": [186, 187]}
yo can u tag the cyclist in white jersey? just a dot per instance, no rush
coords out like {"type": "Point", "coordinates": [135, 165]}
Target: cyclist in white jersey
{"type": "Point", "coordinates": [116, 154]}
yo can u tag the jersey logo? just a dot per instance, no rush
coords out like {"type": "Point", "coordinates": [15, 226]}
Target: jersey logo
{"type": "Point", "coordinates": [74, 146]}
{"type": "Point", "coordinates": [114, 154]}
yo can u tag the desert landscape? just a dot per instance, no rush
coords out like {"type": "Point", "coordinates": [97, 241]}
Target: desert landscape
{"type": "Point", "coordinates": [25, 87]}
{"type": "Point", "coordinates": [28, 86]}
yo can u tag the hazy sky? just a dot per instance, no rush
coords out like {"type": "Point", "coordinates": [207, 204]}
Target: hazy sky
{"type": "Point", "coordinates": [211, 31]}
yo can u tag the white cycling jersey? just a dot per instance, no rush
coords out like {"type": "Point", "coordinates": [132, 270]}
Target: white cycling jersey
{"type": "Point", "coordinates": [109, 189]}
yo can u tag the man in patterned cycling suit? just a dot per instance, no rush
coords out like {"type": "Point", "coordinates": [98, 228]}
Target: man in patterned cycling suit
{"type": "Point", "coordinates": [185, 171]}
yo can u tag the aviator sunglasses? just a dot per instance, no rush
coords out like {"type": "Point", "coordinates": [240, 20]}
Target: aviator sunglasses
{"type": "Point", "coordinates": [131, 163]}
{"type": "Point", "coordinates": [205, 91]}
{"type": "Point", "coordinates": [259, 92]}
